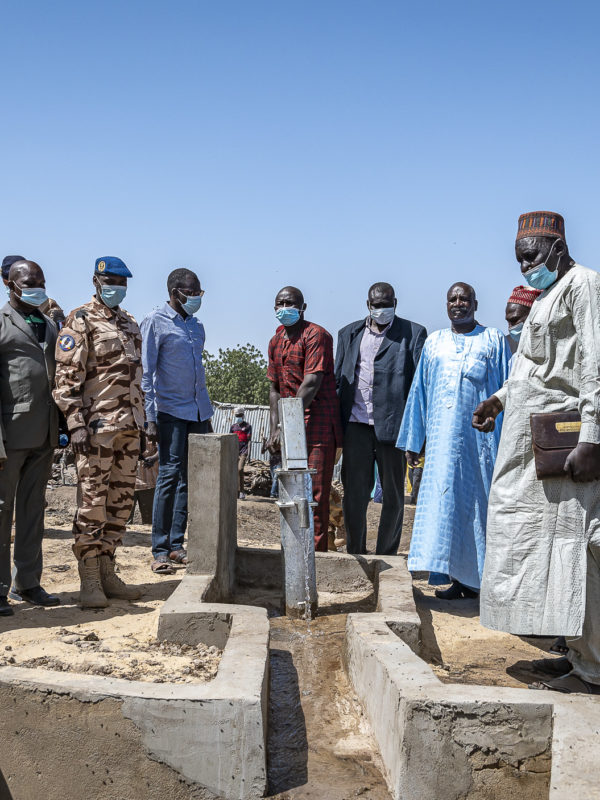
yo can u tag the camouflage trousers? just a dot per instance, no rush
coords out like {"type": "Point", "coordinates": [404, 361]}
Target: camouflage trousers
{"type": "Point", "coordinates": [106, 483]}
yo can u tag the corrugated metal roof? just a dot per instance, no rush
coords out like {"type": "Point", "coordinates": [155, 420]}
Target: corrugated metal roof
{"type": "Point", "coordinates": [257, 416]}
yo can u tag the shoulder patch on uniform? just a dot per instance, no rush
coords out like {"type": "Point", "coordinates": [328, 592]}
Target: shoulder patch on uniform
{"type": "Point", "coordinates": [81, 314]}
{"type": "Point", "coordinates": [66, 342]}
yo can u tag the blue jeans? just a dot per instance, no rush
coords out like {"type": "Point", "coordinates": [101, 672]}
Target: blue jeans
{"type": "Point", "coordinates": [169, 514]}
{"type": "Point", "coordinates": [274, 480]}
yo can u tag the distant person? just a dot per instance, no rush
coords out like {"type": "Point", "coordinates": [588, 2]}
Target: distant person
{"type": "Point", "coordinates": [243, 430]}
{"type": "Point", "coordinates": [28, 432]}
{"type": "Point", "coordinates": [55, 312]}
{"type": "Point", "coordinates": [274, 466]}
{"type": "Point", "coordinates": [337, 528]}
{"type": "Point", "coordinates": [177, 404]}
{"type": "Point", "coordinates": [7, 263]}
{"type": "Point", "coordinates": [98, 376]}
{"type": "Point", "coordinates": [459, 367]}
{"type": "Point", "coordinates": [375, 363]}
{"type": "Point", "coordinates": [301, 365]}
{"type": "Point", "coordinates": [542, 567]}
{"type": "Point", "coordinates": [517, 310]}
{"type": "Point", "coordinates": [145, 485]}
{"type": "Point", "coordinates": [415, 475]}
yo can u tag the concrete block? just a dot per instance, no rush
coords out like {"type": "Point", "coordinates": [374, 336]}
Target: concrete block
{"type": "Point", "coordinates": [491, 750]}
{"type": "Point", "coordinates": [212, 518]}
{"type": "Point", "coordinates": [184, 617]}
{"type": "Point", "coordinates": [494, 742]}
{"type": "Point", "coordinates": [59, 747]}
{"type": "Point", "coordinates": [107, 738]}
{"type": "Point", "coordinates": [259, 566]}
{"type": "Point", "coordinates": [395, 599]}
{"type": "Point", "coordinates": [576, 748]}
{"type": "Point", "coordinates": [340, 572]}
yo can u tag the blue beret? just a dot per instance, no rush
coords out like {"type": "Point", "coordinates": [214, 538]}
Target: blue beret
{"type": "Point", "coordinates": [7, 263]}
{"type": "Point", "coordinates": [111, 265]}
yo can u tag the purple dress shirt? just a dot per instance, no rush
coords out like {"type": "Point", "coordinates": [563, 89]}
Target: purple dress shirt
{"type": "Point", "coordinates": [362, 410]}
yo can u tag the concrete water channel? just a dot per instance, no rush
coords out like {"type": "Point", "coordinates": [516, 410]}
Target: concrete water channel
{"type": "Point", "coordinates": [337, 708]}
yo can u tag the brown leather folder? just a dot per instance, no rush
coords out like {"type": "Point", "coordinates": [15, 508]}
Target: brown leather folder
{"type": "Point", "coordinates": [554, 436]}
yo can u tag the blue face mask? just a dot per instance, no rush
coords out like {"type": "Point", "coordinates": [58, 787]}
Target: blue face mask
{"type": "Point", "coordinates": [515, 331]}
{"type": "Point", "coordinates": [287, 316]}
{"type": "Point", "coordinates": [192, 303]}
{"type": "Point", "coordinates": [541, 277]}
{"type": "Point", "coordinates": [112, 295]}
{"type": "Point", "coordinates": [33, 297]}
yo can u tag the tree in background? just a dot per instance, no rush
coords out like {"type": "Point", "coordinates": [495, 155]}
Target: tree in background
{"type": "Point", "coordinates": [237, 375]}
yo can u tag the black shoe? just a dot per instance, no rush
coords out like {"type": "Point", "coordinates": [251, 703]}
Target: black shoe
{"type": "Point", "coordinates": [6, 609]}
{"type": "Point", "coordinates": [36, 596]}
{"type": "Point", "coordinates": [457, 591]}
{"type": "Point", "coordinates": [552, 666]}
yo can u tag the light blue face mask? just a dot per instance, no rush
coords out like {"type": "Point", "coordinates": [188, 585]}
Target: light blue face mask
{"type": "Point", "coordinates": [192, 303]}
{"type": "Point", "coordinates": [112, 295]}
{"type": "Point", "coordinates": [33, 297]}
{"type": "Point", "coordinates": [287, 316]}
{"type": "Point", "coordinates": [515, 331]}
{"type": "Point", "coordinates": [541, 277]}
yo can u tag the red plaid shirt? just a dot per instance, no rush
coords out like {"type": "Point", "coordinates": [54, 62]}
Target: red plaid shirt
{"type": "Point", "coordinates": [290, 360]}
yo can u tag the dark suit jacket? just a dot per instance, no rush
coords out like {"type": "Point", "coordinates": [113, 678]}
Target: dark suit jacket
{"type": "Point", "coordinates": [28, 414]}
{"type": "Point", "coordinates": [395, 365]}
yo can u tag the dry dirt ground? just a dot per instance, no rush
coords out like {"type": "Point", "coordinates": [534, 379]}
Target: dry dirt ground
{"type": "Point", "coordinates": [459, 649]}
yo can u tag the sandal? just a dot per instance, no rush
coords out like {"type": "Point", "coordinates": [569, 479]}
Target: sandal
{"type": "Point", "coordinates": [567, 684]}
{"type": "Point", "coordinates": [179, 556]}
{"type": "Point", "coordinates": [161, 565]}
{"type": "Point", "coordinates": [560, 646]}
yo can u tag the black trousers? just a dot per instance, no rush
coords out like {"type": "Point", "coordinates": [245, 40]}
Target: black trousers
{"type": "Point", "coordinates": [23, 482]}
{"type": "Point", "coordinates": [361, 450]}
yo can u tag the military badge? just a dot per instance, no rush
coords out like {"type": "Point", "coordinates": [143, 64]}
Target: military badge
{"type": "Point", "coordinates": [101, 266]}
{"type": "Point", "coordinates": [66, 343]}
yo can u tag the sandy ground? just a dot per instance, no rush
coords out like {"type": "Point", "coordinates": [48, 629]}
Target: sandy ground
{"type": "Point", "coordinates": [456, 645]}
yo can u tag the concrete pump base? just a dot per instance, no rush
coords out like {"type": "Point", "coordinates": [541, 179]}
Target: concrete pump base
{"type": "Point", "coordinates": [106, 738]}
{"type": "Point", "coordinates": [459, 742]}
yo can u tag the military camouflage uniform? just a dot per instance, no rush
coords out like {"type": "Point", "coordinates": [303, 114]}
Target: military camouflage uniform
{"type": "Point", "coordinates": [98, 376]}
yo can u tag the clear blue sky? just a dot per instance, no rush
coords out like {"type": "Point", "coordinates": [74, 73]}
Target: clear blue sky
{"type": "Point", "coordinates": [270, 142]}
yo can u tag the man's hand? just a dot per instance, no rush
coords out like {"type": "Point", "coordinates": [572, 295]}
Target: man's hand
{"type": "Point", "coordinates": [484, 416]}
{"type": "Point", "coordinates": [412, 459]}
{"type": "Point", "coordinates": [583, 463]}
{"type": "Point", "coordinates": [274, 442]}
{"type": "Point", "coordinates": [152, 432]}
{"type": "Point", "coordinates": [80, 441]}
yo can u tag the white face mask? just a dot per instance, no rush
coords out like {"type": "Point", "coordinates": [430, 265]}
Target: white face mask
{"type": "Point", "coordinates": [382, 316]}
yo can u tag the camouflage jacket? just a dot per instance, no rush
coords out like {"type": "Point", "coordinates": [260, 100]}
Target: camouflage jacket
{"type": "Point", "coordinates": [99, 369]}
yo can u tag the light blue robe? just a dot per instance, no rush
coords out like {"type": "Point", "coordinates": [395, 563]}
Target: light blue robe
{"type": "Point", "coordinates": [454, 374]}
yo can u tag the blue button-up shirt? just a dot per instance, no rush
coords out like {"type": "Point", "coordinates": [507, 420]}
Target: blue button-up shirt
{"type": "Point", "coordinates": [174, 381]}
